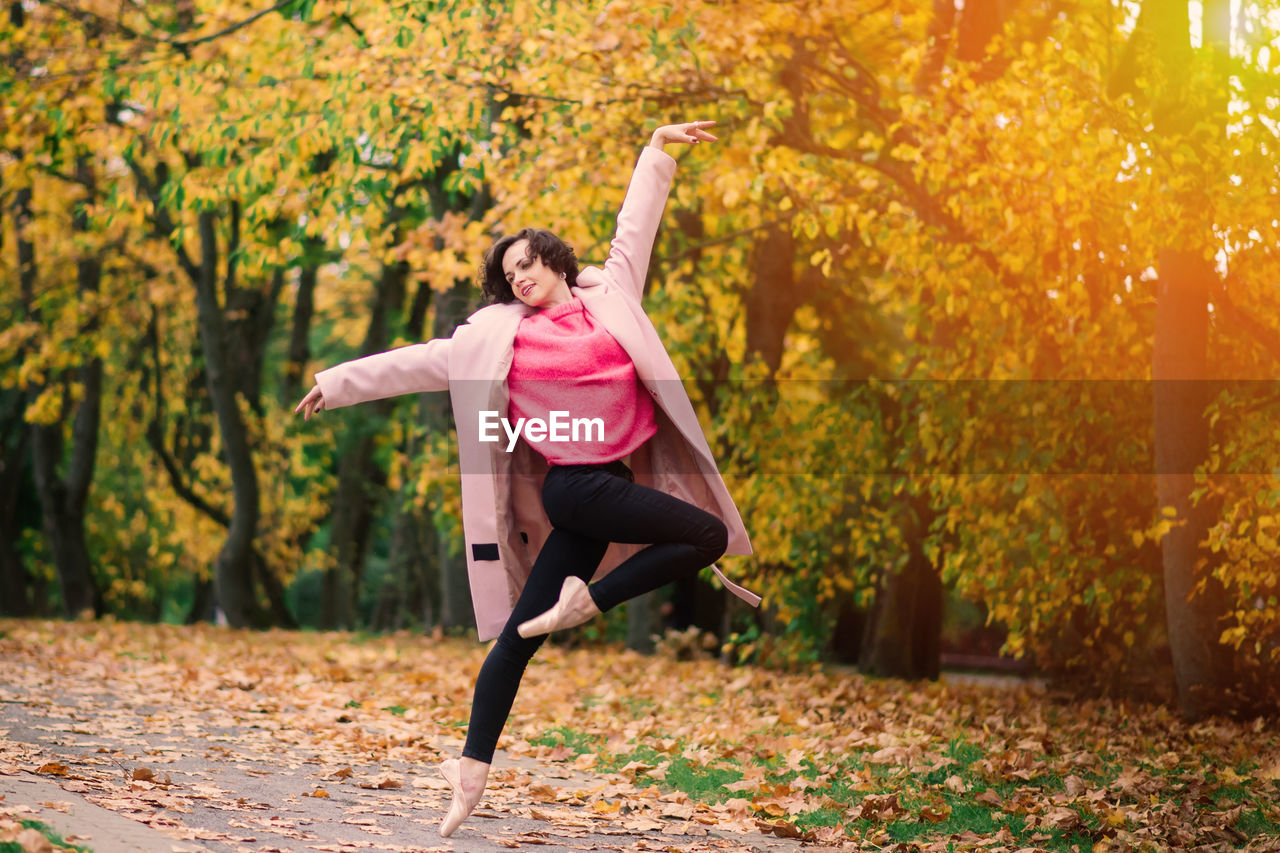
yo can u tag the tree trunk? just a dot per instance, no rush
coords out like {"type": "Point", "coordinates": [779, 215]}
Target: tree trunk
{"type": "Point", "coordinates": [62, 498]}
{"type": "Point", "coordinates": [642, 622]}
{"type": "Point", "coordinates": [233, 567]}
{"type": "Point", "coordinates": [17, 496]}
{"type": "Point", "coordinates": [204, 605]}
{"type": "Point", "coordinates": [938, 37]}
{"type": "Point", "coordinates": [228, 370]}
{"type": "Point", "coordinates": [776, 293]}
{"type": "Point", "coordinates": [1194, 612]}
{"type": "Point", "coordinates": [300, 329]}
{"type": "Point", "coordinates": [845, 645]}
{"type": "Point", "coordinates": [1202, 665]}
{"type": "Point", "coordinates": [406, 597]}
{"type": "Point", "coordinates": [410, 593]}
{"type": "Point", "coordinates": [980, 22]}
{"type": "Point", "coordinates": [903, 632]}
{"type": "Point", "coordinates": [360, 480]}
{"type": "Point", "coordinates": [456, 610]}
{"type": "Point", "coordinates": [313, 255]}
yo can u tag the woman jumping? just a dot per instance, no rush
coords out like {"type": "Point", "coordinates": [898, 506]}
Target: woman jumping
{"type": "Point", "coordinates": [553, 385]}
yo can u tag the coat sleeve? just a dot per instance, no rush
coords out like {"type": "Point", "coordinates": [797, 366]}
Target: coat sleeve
{"type": "Point", "coordinates": [407, 370]}
{"type": "Point", "coordinates": [638, 221]}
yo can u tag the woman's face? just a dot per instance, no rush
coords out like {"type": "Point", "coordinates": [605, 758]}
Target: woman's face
{"type": "Point", "coordinates": [533, 282]}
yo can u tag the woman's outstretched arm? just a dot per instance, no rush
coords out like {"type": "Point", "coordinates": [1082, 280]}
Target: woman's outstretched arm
{"type": "Point", "coordinates": [407, 370]}
{"type": "Point", "coordinates": [628, 261]}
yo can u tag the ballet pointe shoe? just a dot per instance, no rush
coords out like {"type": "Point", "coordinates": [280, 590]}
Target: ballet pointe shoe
{"type": "Point", "coordinates": [467, 781]}
{"type": "Point", "coordinates": [574, 607]}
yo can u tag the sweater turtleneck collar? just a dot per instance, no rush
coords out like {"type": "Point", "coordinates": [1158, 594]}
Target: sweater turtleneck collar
{"type": "Point", "coordinates": [564, 309]}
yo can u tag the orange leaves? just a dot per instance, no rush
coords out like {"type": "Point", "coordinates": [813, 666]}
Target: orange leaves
{"type": "Point", "coordinates": [935, 813]}
{"type": "Point", "coordinates": [878, 807]}
{"type": "Point", "coordinates": [606, 807]}
{"type": "Point", "coordinates": [777, 753]}
{"type": "Point", "coordinates": [381, 783]}
{"type": "Point", "coordinates": [542, 793]}
{"type": "Point", "coordinates": [785, 829]}
{"type": "Point", "coordinates": [148, 777]}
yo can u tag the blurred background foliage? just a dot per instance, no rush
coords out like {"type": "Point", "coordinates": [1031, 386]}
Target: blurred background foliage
{"type": "Point", "coordinates": [973, 301]}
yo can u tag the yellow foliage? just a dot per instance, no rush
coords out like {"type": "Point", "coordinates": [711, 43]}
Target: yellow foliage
{"type": "Point", "coordinates": [967, 235]}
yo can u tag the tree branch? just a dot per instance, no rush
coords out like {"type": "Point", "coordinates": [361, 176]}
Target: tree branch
{"type": "Point", "coordinates": [1263, 335]}
{"type": "Point", "coordinates": [155, 436]}
{"type": "Point", "coordinates": [86, 16]}
{"type": "Point", "coordinates": [163, 225]}
{"type": "Point", "coordinates": [183, 45]}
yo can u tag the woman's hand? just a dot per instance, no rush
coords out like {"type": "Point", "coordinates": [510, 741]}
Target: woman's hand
{"type": "Point", "coordinates": [691, 132]}
{"type": "Point", "coordinates": [312, 403]}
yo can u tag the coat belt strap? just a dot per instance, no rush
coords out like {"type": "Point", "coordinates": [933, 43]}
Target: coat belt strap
{"type": "Point", "coordinates": [742, 592]}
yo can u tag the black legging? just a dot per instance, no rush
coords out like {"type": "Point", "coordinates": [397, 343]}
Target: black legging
{"type": "Point", "coordinates": [590, 506]}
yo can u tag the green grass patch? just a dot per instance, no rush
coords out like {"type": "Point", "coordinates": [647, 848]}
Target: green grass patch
{"type": "Point", "coordinates": [704, 783]}
{"type": "Point", "coordinates": [1254, 824]}
{"type": "Point", "coordinates": [578, 742]}
{"type": "Point", "coordinates": [851, 779]}
{"type": "Point", "coordinates": [47, 832]}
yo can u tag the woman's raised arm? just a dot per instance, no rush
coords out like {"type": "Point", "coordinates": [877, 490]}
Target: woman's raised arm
{"type": "Point", "coordinates": [628, 261]}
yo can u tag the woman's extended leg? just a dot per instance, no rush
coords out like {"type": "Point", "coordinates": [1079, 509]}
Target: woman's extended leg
{"type": "Point", "coordinates": [563, 554]}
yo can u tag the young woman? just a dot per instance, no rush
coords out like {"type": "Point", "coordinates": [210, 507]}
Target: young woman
{"type": "Point", "coordinates": [553, 385]}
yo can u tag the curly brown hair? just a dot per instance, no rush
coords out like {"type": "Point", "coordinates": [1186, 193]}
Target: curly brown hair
{"type": "Point", "coordinates": [543, 245]}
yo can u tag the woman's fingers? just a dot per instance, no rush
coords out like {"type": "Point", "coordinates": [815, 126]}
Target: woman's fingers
{"type": "Point", "coordinates": [695, 132]}
{"type": "Point", "coordinates": [312, 403]}
{"type": "Point", "coordinates": [691, 132]}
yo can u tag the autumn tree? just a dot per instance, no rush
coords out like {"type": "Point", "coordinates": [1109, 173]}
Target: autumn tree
{"type": "Point", "coordinates": [919, 291]}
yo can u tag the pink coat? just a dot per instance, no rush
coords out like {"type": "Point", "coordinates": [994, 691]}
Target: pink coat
{"type": "Point", "coordinates": [503, 522]}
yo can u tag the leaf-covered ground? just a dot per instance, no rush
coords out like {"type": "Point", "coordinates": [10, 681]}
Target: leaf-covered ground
{"type": "Point", "coordinates": [692, 754]}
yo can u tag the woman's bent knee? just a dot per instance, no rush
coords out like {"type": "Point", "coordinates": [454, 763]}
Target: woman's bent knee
{"type": "Point", "coordinates": [715, 542]}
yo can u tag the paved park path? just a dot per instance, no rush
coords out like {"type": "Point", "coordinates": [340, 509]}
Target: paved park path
{"type": "Point", "coordinates": [117, 774]}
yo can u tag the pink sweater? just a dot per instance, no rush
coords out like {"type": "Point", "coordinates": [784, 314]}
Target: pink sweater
{"type": "Point", "coordinates": [566, 367]}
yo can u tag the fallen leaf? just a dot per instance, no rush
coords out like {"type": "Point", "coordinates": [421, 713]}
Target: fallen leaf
{"type": "Point", "coordinates": [785, 829]}
{"type": "Point", "coordinates": [935, 813]}
{"type": "Point", "coordinates": [383, 782]}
